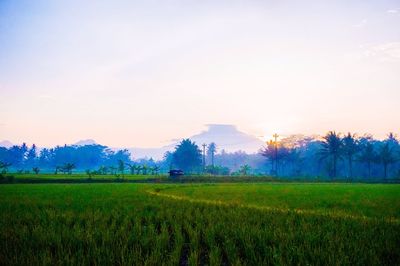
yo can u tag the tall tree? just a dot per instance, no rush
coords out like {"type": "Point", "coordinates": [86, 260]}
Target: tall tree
{"type": "Point", "coordinates": [212, 148]}
{"type": "Point", "coordinates": [144, 169]}
{"type": "Point", "coordinates": [36, 170]}
{"type": "Point", "coordinates": [331, 147]}
{"type": "Point", "coordinates": [276, 153]}
{"type": "Point", "coordinates": [154, 170]}
{"type": "Point", "coordinates": [68, 167]}
{"type": "Point", "coordinates": [168, 160]}
{"type": "Point", "coordinates": [17, 155]}
{"type": "Point", "coordinates": [350, 149]}
{"type": "Point", "coordinates": [392, 140]}
{"type": "Point", "coordinates": [31, 156]}
{"type": "Point", "coordinates": [269, 152]}
{"type": "Point", "coordinates": [132, 168]}
{"type": "Point", "coordinates": [244, 169]}
{"type": "Point", "coordinates": [4, 167]}
{"type": "Point", "coordinates": [103, 170]}
{"type": "Point", "coordinates": [367, 156]}
{"type": "Point", "coordinates": [187, 156]}
{"type": "Point", "coordinates": [295, 160]}
{"type": "Point", "coordinates": [121, 167]}
{"type": "Point", "coordinates": [45, 157]}
{"type": "Point", "coordinates": [386, 157]}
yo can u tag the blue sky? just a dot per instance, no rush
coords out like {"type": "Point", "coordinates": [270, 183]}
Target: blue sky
{"type": "Point", "coordinates": [130, 73]}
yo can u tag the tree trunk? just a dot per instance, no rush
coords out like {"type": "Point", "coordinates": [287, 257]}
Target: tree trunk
{"type": "Point", "coordinates": [351, 168]}
{"type": "Point", "coordinates": [384, 170]}
{"type": "Point", "coordinates": [369, 169]}
{"type": "Point", "coordinates": [334, 166]}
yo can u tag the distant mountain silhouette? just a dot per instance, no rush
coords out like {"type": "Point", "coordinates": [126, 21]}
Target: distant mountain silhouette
{"type": "Point", "coordinates": [85, 142]}
{"type": "Point", "coordinates": [227, 137]}
{"type": "Point", "coordinates": [6, 144]}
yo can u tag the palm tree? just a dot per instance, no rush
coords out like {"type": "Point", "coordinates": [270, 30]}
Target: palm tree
{"type": "Point", "coordinates": [121, 167]}
{"type": "Point", "coordinates": [89, 173]}
{"type": "Point", "coordinates": [244, 169]}
{"type": "Point", "coordinates": [103, 170]}
{"type": "Point", "coordinates": [392, 140]}
{"type": "Point", "coordinates": [332, 148]}
{"type": "Point", "coordinates": [212, 148]}
{"type": "Point", "coordinates": [36, 170]}
{"type": "Point", "coordinates": [151, 170]}
{"type": "Point", "coordinates": [144, 169]}
{"type": "Point", "coordinates": [131, 168]}
{"type": "Point", "coordinates": [350, 148]}
{"type": "Point", "coordinates": [295, 160]}
{"type": "Point", "coordinates": [68, 167]}
{"type": "Point", "coordinates": [156, 169]}
{"type": "Point", "coordinates": [4, 167]}
{"type": "Point", "coordinates": [270, 154]}
{"type": "Point", "coordinates": [386, 157]}
{"type": "Point", "coordinates": [113, 170]}
{"type": "Point", "coordinates": [58, 168]}
{"type": "Point", "coordinates": [138, 168]}
{"type": "Point", "coordinates": [368, 156]}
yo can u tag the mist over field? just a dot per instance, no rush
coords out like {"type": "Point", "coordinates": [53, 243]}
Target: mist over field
{"type": "Point", "coordinates": [199, 132]}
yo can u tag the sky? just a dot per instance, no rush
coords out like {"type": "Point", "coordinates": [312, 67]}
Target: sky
{"type": "Point", "coordinates": [140, 73]}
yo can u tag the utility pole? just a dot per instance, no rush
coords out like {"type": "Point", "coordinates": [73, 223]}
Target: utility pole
{"type": "Point", "coordinates": [204, 157]}
{"type": "Point", "coordinates": [276, 153]}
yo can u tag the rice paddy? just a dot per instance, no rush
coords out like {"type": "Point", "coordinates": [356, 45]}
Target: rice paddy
{"type": "Point", "coordinates": [199, 224]}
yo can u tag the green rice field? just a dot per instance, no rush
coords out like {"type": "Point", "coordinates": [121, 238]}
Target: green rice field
{"type": "Point", "coordinates": [200, 224]}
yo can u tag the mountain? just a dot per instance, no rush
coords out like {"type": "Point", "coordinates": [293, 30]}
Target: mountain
{"type": "Point", "coordinates": [6, 144]}
{"type": "Point", "coordinates": [85, 142]}
{"type": "Point", "coordinates": [227, 137]}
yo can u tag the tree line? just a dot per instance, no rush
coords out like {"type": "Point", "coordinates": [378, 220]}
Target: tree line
{"type": "Point", "coordinates": [61, 159]}
{"type": "Point", "coordinates": [334, 155]}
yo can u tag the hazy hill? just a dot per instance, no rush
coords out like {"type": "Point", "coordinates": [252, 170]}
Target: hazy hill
{"type": "Point", "coordinates": [6, 144]}
{"type": "Point", "coordinates": [227, 137]}
{"type": "Point", "coordinates": [85, 142]}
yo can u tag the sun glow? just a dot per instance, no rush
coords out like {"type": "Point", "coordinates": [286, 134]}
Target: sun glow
{"type": "Point", "coordinates": [268, 137]}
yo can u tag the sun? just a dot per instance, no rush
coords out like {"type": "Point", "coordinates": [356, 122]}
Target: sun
{"type": "Point", "coordinates": [268, 137]}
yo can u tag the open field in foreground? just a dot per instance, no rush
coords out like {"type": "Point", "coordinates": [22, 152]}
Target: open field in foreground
{"type": "Point", "coordinates": [210, 224]}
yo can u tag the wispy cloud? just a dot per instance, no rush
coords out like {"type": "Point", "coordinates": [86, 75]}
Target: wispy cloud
{"type": "Point", "coordinates": [393, 11]}
{"type": "Point", "coordinates": [361, 24]}
{"type": "Point", "coordinates": [389, 51]}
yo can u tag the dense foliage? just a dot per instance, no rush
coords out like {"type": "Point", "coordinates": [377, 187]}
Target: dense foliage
{"type": "Point", "coordinates": [64, 158]}
{"type": "Point", "coordinates": [187, 156]}
{"type": "Point", "coordinates": [334, 155]}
